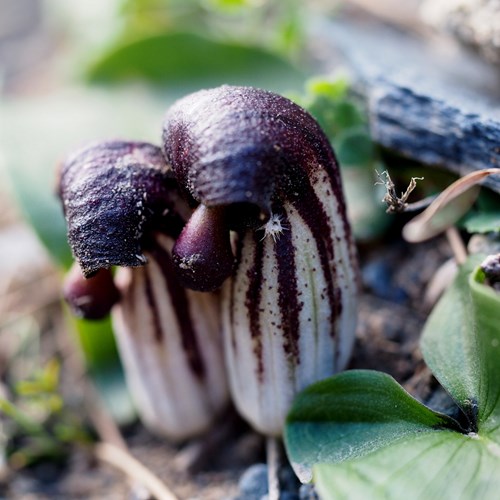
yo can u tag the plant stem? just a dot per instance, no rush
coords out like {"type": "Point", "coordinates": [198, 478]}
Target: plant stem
{"type": "Point", "coordinates": [272, 468]}
{"type": "Point", "coordinates": [457, 245]}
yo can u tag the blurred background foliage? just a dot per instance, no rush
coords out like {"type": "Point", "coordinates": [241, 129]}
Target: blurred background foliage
{"type": "Point", "coordinates": [110, 69]}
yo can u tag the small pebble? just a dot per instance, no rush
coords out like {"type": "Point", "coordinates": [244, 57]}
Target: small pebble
{"type": "Point", "coordinates": [288, 480]}
{"type": "Point", "coordinates": [377, 277]}
{"type": "Point", "coordinates": [287, 495]}
{"type": "Point", "coordinates": [253, 483]}
{"type": "Point", "coordinates": [307, 492]}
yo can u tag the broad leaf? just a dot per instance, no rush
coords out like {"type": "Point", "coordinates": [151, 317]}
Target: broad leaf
{"type": "Point", "coordinates": [437, 465]}
{"type": "Point", "coordinates": [461, 343]}
{"type": "Point", "coordinates": [449, 345]}
{"type": "Point", "coordinates": [364, 439]}
{"type": "Point", "coordinates": [351, 415]}
{"type": "Point", "coordinates": [187, 61]}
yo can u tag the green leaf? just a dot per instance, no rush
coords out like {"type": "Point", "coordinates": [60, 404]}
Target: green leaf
{"type": "Point", "coordinates": [365, 437]}
{"type": "Point", "coordinates": [97, 342]}
{"type": "Point", "coordinates": [366, 214]}
{"type": "Point", "coordinates": [436, 465]}
{"type": "Point", "coordinates": [486, 309]}
{"type": "Point", "coordinates": [351, 415]}
{"type": "Point", "coordinates": [354, 147]}
{"type": "Point", "coordinates": [333, 89]}
{"type": "Point", "coordinates": [481, 222]}
{"type": "Point", "coordinates": [187, 61]}
{"type": "Point", "coordinates": [228, 5]}
{"type": "Point", "coordinates": [449, 346]}
{"type": "Point", "coordinates": [23, 420]}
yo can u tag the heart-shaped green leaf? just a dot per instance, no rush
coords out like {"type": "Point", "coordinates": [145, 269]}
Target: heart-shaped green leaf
{"type": "Point", "coordinates": [351, 415]}
{"type": "Point", "coordinates": [436, 465]}
{"type": "Point", "coordinates": [364, 437]}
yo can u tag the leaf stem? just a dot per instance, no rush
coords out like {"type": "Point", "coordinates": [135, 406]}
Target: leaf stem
{"type": "Point", "coordinates": [272, 468]}
{"type": "Point", "coordinates": [457, 245]}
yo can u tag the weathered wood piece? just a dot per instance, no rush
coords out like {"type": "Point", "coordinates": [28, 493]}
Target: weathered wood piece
{"type": "Point", "coordinates": [428, 99]}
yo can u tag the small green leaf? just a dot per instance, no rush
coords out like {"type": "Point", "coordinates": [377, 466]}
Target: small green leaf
{"type": "Point", "coordinates": [366, 214]}
{"type": "Point", "coordinates": [354, 147]}
{"type": "Point", "coordinates": [189, 61]}
{"type": "Point", "coordinates": [335, 116]}
{"type": "Point", "coordinates": [331, 88]}
{"type": "Point", "coordinates": [481, 222]}
{"type": "Point", "coordinates": [347, 114]}
{"type": "Point", "coordinates": [227, 5]}
{"type": "Point", "coordinates": [23, 420]}
{"type": "Point", "coordinates": [351, 415]}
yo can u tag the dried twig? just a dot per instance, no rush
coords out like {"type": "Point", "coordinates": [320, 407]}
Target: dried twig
{"type": "Point", "coordinates": [104, 424]}
{"type": "Point", "coordinates": [124, 461]}
{"type": "Point", "coordinates": [398, 204]}
{"type": "Point", "coordinates": [114, 451]}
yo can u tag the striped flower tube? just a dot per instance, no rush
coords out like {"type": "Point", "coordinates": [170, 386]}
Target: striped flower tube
{"type": "Point", "coordinates": [123, 208]}
{"type": "Point", "coordinates": [270, 217]}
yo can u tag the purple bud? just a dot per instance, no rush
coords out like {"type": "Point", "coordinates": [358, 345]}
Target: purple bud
{"type": "Point", "coordinates": [202, 253]}
{"type": "Point", "coordinates": [90, 298]}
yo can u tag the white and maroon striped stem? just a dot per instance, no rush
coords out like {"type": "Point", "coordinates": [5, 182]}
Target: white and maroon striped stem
{"type": "Point", "coordinates": [289, 312]}
{"type": "Point", "coordinates": [124, 208]}
{"type": "Point", "coordinates": [170, 344]}
{"type": "Point", "coordinates": [260, 166]}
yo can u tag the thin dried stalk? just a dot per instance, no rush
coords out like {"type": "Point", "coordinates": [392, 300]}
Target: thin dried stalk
{"type": "Point", "coordinates": [124, 461]}
{"type": "Point", "coordinates": [113, 450]}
